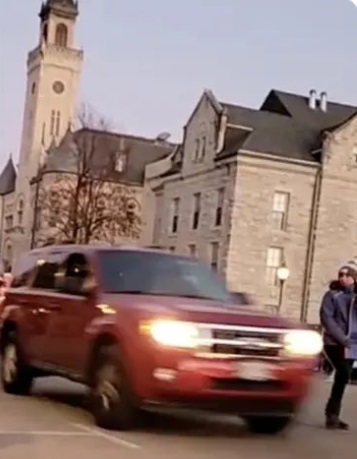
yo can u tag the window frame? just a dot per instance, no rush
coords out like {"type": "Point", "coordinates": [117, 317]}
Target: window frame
{"type": "Point", "coordinates": [175, 212]}
{"type": "Point", "coordinates": [192, 248]}
{"type": "Point", "coordinates": [271, 270]}
{"type": "Point", "coordinates": [214, 261]}
{"type": "Point", "coordinates": [218, 220]}
{"type": "Point", "coordinates": [197, 205]}
{"type": "Point", "coordinates": [280, 217]}
{"type": "Point", "coordinates": [196, 153]}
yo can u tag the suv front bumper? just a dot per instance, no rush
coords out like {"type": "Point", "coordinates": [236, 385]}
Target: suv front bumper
{"type": "Point", "coordinates": [223, 386]}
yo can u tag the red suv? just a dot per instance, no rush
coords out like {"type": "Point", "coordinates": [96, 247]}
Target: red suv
{"type": "Point", "coordinates": [140, 328]}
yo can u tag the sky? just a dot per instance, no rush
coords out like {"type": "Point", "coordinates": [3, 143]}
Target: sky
{"type": "Point", "coordinates": [148, 61]}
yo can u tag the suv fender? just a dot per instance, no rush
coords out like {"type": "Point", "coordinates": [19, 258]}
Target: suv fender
{"type": "Point", "coordinates": [11, 320]}
{"type": "Point", "coordinates": [105, 338]}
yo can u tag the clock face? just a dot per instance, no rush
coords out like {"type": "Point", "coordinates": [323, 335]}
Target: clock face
{"type": "Point", "coordinates": [58, 87]}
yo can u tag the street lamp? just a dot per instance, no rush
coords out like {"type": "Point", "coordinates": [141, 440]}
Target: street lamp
{"type": "Point", "coordinates": [283, 274]}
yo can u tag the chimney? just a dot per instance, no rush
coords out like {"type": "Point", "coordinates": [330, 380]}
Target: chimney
{"type": "Point", "coordinates": [323, 101]}
{"type": "Point", "coordinates": [312, 99]}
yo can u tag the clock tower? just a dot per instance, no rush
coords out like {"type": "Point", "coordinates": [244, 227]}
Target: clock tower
{"type": "Point", "coordinates": [53, 71]}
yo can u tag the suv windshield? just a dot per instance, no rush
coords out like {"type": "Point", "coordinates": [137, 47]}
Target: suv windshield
{"type": "Point", "coordinates": [151, 273]}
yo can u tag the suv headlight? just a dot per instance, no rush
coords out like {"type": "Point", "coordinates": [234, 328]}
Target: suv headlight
{"type": "Point", "coordinates": [172, 333]}
{"type": "Point", "coordinates": [303, 343]}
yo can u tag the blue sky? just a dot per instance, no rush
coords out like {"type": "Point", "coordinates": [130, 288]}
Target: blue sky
{"type": "Point", "coordinates": [147, 61]}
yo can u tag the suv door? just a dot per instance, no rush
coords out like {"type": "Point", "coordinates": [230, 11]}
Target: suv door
{"type": "Point", "coordinates": [20, 295]}
{"type": "Point", "coordinates": [66, 333]}
{"type": "Point", "coordinates": [45, 304]}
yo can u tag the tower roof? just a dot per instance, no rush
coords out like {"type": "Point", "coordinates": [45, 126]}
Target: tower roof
{"type": "Point", "coordinates": [8, 178]}
{"type": "Point", "coordinates": [67, 8]}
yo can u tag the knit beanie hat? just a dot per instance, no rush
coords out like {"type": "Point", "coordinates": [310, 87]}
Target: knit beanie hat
{"type": "Point", "coordinates": [350, 267]}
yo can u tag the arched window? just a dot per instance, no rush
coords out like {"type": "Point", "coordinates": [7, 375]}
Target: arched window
{"type": "Point", "coordinates": [53, 122]}
{"type": "Point", "coordinates": [120, 162]}
{"type": "Point", "coordinates": [45, 32]}
{"type": "Point", "coordinates": [61, 35]}
{"type": "Point", "coordinates": [58, 123]}
{"type": "Point", "coordinates": [20, 212]}
{"type": "Point", "coordinates": [7, 256]}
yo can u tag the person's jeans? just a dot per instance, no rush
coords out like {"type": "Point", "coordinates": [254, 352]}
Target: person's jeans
{"type": "Point", "coordinates": [343, 367]}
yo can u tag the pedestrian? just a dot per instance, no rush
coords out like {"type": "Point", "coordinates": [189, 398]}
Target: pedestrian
{"type": "Point", "coordinates": [338, 322]}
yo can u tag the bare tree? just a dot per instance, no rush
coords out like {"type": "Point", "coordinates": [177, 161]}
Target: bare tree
{"type": "Point", "coordinates": [84, 202]}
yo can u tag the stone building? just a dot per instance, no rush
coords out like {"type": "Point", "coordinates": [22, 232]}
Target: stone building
{"type": "Point", "coordinates": [250, 190]}
{"type": "Point", "coordinates": [53, 73]}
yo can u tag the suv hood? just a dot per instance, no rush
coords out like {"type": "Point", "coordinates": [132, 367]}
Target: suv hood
{"type": "Point", "coordinates": [198, 310]}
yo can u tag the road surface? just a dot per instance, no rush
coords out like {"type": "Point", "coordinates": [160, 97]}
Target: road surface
{"type": "Point", "coordinates": [53, 423]}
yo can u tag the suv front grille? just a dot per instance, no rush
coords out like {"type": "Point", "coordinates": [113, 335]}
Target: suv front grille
{"type": "Point", "coordinates": [242, 341]}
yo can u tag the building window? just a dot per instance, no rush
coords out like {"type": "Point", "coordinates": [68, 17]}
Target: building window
{"type": "Point", "coordinates": [58, 123]}
{"type": "Point", "coordinates": [274, 260]}
{"type": "Point", "coordinates": [45, 32]}
{"type": "Point", "coordinates": [192, 250]}
{"type": "Point", "coordinates": [53, 122]}
{"type": "Point", "coordinates": [214, 255]}
{"type": "Point", "coordinates": [120, 162]}
{"type": "Point", "coordinates": [172, 249]}
{"type": "Point", "coordinates": [219, 207]}
{"type": "Point", "coordinates": [33, 88]}
{"type": "Point", "coordinates": [196, 154]}
{"type": "Point", "coordinates": [280, 210]}
{"type": "Point", "coordinates": [20, 213]}
{"type": "Point", "coordinates": [203, 148]}
{"type": "Point", "coordinates": [8, 257]}
{"type": "Point", "coordinates": [61, 35]}
{"type": "Point", "coordinates": [196, 210]}
{"type": "Point", "coordinates": [9, 222]}
{"type": "Point", "coordinates": [175, 214]}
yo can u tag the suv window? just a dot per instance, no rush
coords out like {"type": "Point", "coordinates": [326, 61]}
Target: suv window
{"type": "Point", "coordinates": [47, 272]}
{"type": "Point", "coordinates": [151, 273]}
{"type": "Point", "coordinates": [75, 272]}
{"type": "Point", "coordinates": [24, 269]}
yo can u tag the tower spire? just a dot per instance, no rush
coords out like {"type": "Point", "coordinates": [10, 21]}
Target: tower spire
{"type": "Point", "coordinates": [66, 8]}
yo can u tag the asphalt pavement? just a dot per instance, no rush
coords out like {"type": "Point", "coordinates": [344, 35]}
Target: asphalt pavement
{"type": "Point", "coordinates": [53, 422]}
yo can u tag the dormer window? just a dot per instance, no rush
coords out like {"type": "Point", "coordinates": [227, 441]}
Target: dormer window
{"type": "Point", "coordinates": [20, 212]}
{"type": "Point", "coordinates": [196, 154]}
{"type": "Point", "coordinates": [120, 162]}
{"type": "Point", "coordinates": [203, 149]}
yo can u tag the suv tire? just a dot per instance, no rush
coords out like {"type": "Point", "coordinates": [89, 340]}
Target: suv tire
{"type": "Point", "coordinates": [16, 377]}
{"type": "Point", "coordinates": [112, 402]}
{"type": "Point", "coordinates": [268, 425]}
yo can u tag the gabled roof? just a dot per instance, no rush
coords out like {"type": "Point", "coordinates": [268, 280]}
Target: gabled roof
{"type": "Point", "coordinates": [8, 178]}
{"type": "Point", "coordinates": [297, 107]}
{"type": "Point", "coordinates": [267, 132]}
{"type": "Point", "coordinates": [138, 151]}
{"type": "Point", "coordinates": [284, 126]}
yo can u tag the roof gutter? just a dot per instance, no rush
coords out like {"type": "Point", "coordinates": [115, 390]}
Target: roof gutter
{"type": "Point", "coordinates": [240, 127]}
{"type": "Point", "coordinates": [281, 159]}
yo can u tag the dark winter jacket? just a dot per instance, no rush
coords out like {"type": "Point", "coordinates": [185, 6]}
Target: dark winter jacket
{"type": "Point", "coordinates": [335, 314]}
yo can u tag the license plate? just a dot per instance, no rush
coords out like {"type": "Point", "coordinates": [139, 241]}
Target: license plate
{"type": "Point", "coordinates": [255, 371]}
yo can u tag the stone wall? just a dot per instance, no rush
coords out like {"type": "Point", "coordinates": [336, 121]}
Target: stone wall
{"type": "Point", "coordinates": [252, 232]}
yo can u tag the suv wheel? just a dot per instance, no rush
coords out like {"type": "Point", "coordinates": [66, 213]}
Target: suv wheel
{"type": "Point", "coordinates": [16, 377]}
{"type": "Point", "coordinates": [112, 402]}
{"type": "Point", "coordinates": [268, 425]}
